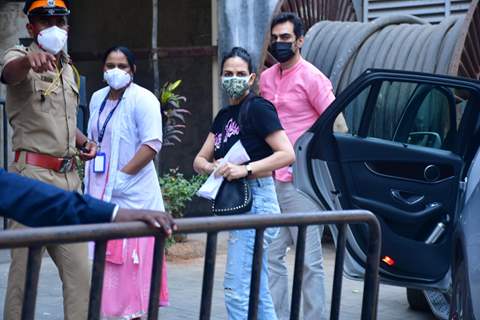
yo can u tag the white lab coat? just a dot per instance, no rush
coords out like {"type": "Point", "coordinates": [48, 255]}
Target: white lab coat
{"type": "Point", "coordinates": [136, 120]}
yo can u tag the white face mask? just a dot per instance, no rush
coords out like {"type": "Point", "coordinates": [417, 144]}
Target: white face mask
{"type": "Point", "coordinates": [52, 39]}
{"type": "Point", "coordinates": [117, 78]}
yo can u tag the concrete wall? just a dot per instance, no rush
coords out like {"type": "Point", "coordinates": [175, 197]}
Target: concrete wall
{"type": "Point", "coordinates": [12, 27]}
{"type": "Point", "coordinates": [97, 25]}
{"type": "Point", "coordinates": [188, 23]}
{"type": "Point", "coordinates": [246, 24]}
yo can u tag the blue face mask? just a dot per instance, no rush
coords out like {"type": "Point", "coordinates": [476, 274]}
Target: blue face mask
{"type": "Point", "coordinates": [235, 87]}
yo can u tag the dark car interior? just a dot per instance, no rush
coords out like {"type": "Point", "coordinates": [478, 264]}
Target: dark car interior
{"type": "Point", "coordinates": [409, 145]}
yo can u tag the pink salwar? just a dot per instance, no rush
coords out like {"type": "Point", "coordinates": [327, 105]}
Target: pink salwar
{"type": "Point", "coordinates": [126, 286]}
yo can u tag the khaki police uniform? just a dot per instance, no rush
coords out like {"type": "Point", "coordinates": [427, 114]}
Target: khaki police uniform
{"type": "Point", "coordinates": [42, 112]}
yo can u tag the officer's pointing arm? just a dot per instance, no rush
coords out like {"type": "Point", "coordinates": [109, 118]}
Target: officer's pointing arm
{"type": "Point", "coordinates": [17, 70]}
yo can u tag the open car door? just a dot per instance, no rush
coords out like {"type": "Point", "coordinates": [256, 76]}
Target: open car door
{"type": "Point", "coordinates": [404, 158]}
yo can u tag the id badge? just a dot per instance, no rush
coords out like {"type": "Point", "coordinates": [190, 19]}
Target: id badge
{"type": "Point", "coordinates": [99, 163]}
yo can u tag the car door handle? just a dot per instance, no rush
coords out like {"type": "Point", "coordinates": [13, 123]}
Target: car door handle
{"type": "Point", "coordinates": [406, 197]}
{"type": "Point", "coordinates": [430, 212]}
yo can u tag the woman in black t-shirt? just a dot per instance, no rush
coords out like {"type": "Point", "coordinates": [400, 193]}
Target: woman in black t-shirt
{"type": "Point", "coordinates": [254, 121]}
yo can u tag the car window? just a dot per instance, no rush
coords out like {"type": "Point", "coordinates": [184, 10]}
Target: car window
{"type": "Point", "coordinates": [353, 112]}
{"type": "Point", "coordinates": [412, 113]}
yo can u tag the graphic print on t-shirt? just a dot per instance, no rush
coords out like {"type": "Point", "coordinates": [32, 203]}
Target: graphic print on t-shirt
{"type": "Point", "coordinates": [231, 129]}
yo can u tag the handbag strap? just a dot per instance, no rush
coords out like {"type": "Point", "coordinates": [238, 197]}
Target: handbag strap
{"type": "Point", "coordinates": [244, 108]}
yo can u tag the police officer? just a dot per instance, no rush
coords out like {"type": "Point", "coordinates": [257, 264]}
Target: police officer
{"type": "Point", "coordinates": [42, 100]}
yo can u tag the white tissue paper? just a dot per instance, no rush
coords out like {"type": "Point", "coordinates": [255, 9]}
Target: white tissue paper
{"type": "Point", "coordinates": [236, 155]}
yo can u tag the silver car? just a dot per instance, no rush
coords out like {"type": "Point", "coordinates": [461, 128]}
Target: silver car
{"type": "Point", "coordinates": [409, 156]}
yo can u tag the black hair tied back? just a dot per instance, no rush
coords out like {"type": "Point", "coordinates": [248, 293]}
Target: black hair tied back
{"type": "Point", "coordinates": [240, 53]}
{"type": "Point", "coordinates": [127, 52]}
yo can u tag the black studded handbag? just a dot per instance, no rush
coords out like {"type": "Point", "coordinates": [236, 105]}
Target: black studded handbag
{"type": "Point", "coordinates": [233, 197]}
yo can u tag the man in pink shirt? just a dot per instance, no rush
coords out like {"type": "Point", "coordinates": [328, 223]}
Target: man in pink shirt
{"type": "Point", "coordinates": [300, 93]}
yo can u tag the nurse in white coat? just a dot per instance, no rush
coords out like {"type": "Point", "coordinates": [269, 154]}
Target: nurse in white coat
{"type": "Point", "coordinates": [126, 123]}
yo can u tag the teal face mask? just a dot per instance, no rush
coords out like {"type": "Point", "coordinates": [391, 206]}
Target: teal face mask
{"type": "Point", "coordinates": [235, 87]}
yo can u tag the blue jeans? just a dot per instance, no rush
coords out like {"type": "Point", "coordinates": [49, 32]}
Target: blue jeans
{"type": "Point", "coordinates": [240, 256]}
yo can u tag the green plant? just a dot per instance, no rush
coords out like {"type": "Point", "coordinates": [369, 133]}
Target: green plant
{"type": "Point", "coordinates": [173, 114]}
{"type": "Point", "coordinates": [178, 191]}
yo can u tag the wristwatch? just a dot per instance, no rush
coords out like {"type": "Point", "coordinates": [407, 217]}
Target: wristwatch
{"type": "Point", "coordinates": [249, 169]}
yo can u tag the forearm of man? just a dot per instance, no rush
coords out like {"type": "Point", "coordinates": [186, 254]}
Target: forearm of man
{"type": "Point", "coordinates": [143, 156]}
{"type": "Point", "coordinates": [80, 138]}
{"type": "Point", "coordinates": [16, 71]}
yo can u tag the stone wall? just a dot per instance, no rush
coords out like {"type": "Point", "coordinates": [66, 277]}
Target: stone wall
{"type": "Point", "coordinates": [98, 25]}
{"type": "Point", "coordinates": [12, 27]}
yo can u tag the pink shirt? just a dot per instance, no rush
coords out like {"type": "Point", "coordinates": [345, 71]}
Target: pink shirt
{"type": "Point", "coordinates": [300, 95]}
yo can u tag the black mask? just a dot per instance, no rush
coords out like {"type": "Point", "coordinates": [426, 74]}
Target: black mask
{"type": "Point", "coordinates": [282, 51]}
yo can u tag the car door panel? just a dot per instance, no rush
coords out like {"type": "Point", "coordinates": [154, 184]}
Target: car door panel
{"type": "Point", "coordinates": [414, 261]}
{"type": "Point", "coordinates": [412, 189]}
{"type": "Point", "coordinates": [407, 205]}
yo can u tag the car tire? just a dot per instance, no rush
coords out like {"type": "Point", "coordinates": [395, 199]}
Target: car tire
{"type": "Point", "coordinates": [416, 300]}
{"type": "Point", "coordinates": [460, 305]}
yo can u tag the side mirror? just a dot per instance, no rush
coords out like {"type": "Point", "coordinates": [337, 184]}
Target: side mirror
{"type": "Point", "coordinates": [425, 139]}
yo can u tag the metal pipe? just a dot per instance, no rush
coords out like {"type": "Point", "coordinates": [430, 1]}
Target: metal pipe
{"type": "Point", "coordinates": [338, 272]}
{"type": "Point", "coordinates": [155, 63]}
{"type": "Point", "coordinates": [103, 232]}
{"type": "Point", "coordinates": [298, 273]}
{"type": "Point", "coordinates": [371, 281]}
{"type": "Point", "coordinates": [5, 146]}
{"type": "Point", "coordinates": [97, 232]}
{"type": "Point", "coordinates": [5, 134]}
{"type": "Point", "coordinates": [31, 282]}
{"type": "Point", "coordinates": [156, 279]}
{"type": "Point", "coordinates": [97, 280]}
{"type": "Point", "coordinates": [256, 274]}
{"type": "Point", "coordinates": [208, 276]}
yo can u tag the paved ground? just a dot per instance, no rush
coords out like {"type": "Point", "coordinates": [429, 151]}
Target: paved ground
{"type": "Point", "coordinates": [185, 278]}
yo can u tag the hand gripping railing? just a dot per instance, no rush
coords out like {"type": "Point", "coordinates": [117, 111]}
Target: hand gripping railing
{"type": "Point", "coordinates": [34, 239]}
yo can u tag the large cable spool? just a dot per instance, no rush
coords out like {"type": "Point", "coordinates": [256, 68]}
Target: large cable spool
{"type": "Point", "coordinates": [466, 57]}
{"type": "Point", "coordinates": [344, 50]}
{"type": "Point", "coordinates": [394, 42]}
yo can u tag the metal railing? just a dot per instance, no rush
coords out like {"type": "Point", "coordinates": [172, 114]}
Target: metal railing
{"type": "Point", "coordinates": [5, 143]}
{"type": "Point", "coordinates": [4, 133]}
{"type": "Point", "coordinates": [101, 233]}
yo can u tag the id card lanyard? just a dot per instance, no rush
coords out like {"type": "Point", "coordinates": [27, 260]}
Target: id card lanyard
{"type": "Point", "coordinates": [99, 163]}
